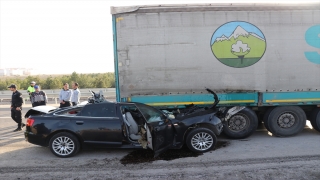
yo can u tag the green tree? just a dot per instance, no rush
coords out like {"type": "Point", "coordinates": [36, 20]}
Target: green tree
{"type": "Point", "coordinates": [74, 77]}
{"type": "Point", "coordinates": [52, 83]}
{"type": "Point", "coordinates": [93, 80]}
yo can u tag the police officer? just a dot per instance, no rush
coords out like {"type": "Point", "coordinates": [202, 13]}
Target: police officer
{"type": "Point", "coordinates": [38, 97]}
{"type": "Point", "coordinates": [31, 89]}
{"type": "Point", "coordinates": [16, 107]}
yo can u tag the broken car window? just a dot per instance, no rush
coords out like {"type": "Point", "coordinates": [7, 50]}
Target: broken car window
{"type": "Point", "coordinates": [151, 114]}
{"type": "Point", "coordinates": [69, 112]}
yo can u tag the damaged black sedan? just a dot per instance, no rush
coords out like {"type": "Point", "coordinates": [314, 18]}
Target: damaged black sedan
{"type": "Point", "coordinates": [121, 125]}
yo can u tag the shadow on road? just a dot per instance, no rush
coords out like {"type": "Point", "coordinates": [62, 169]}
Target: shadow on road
{"type": "Point", "coordinates": [146, 155]}
{"type": "Point", "coordinates": [7, 136]}
{"type": "Point", "coordinates": [10, 141]}
{"type": "Point", "coordinates": [7, 128]}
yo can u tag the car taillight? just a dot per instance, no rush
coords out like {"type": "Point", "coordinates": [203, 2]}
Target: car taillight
{"type": "Point", "coordinates": [30, 122]}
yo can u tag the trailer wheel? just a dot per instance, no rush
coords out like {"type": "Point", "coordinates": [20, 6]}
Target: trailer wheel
{"type": "Point", "coordinates": [315, 119]}
{"type": "Point", "coordinates": [286, 121]}
{"type": "Point", "coordinates": [265, 118]}
{"type": "Point", "coordinates": [241, 125]}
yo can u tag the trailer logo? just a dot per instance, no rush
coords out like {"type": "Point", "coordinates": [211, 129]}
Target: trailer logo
{"type": "Point", "coordinates": [238, 44]}
{"type": "Point", "coordinates": [312, 37]}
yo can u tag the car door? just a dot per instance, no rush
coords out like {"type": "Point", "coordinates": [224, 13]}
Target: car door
{"type": "Point", "coordinates": [98, 124]}
{"type": "Point", "coordinates": [160, 131]}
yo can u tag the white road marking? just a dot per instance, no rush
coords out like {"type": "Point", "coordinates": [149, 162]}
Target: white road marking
{"type": "Point", "coordinates": [5, 138]}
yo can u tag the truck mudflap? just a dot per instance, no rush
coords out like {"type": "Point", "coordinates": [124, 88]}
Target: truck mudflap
{"type": "Point", "coordinates": [239, 122]}
{"type": "Point", "coordinates": [232, 111]}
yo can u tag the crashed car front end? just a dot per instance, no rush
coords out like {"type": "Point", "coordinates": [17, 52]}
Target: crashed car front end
{"type": "Point", "coordinates": [209, 120]}
{"type": "Point", "coordinates": [184, 124]}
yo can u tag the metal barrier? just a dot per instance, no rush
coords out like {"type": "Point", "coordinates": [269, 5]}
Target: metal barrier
{"type": "Point", "coordinates": [53, 94]}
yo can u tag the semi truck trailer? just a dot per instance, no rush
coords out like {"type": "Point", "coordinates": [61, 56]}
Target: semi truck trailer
{"type": "Point", "coordinates": [265, 57]}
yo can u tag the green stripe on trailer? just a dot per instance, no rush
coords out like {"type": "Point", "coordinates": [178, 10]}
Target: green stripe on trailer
{"type": "Point", "coordinates": [291, 98]}
{"type": "Point", "coordinates": [181, 100]}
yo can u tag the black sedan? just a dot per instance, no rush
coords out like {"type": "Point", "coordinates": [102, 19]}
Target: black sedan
{"type": "Point", "coordinates": [120, 125]}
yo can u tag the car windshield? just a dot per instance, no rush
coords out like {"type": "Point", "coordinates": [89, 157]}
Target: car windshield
{"type": "Point", "coordinates": [151, 114]}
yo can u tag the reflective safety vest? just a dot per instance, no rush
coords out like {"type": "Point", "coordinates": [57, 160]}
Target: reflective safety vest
{"type": "Point", "coordinates": [30, 90]}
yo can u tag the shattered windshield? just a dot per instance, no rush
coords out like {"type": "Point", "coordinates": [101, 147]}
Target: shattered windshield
{"type": "Point", "coordinates": [151, 114]}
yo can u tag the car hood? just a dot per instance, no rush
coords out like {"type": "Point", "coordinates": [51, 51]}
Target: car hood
{"type": "Point", "coordinates": [40, 110]}
{"type": "Point", "coordinates": [182, 116]}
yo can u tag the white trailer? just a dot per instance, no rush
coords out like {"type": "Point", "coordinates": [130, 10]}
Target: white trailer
{"type": "Point", "coordinates": [263, 56]}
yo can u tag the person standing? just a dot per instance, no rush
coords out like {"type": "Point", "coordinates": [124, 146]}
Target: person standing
{"type": "Point", "coordinates": [38, 97]}
{"type": "Point", "coordinates": [65, 96]}
{"type": "Point", "coordinates": [75, 98]}
{"type": "Point", "coordinates": [31, 89]}
{"type": "Point", "coordinates": [16, 107]}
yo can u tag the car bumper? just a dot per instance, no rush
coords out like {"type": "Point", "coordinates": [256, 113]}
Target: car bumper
{"type": "Point", "coordinates": [35, 139]}
{"type": "Point", "coordinates": [218, 128]}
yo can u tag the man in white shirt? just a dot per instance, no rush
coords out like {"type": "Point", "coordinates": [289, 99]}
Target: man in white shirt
{"type": "Point", "coordinates": [65, 96]}
{"type": "Point", "coordinates": [75, 98]}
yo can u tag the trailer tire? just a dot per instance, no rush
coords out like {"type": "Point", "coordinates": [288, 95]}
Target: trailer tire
{"type": "Point", "coordinates": [286, 121]}
{"type": "Point", "coordinates": [315, 119]}
{"type": "Point", "coordinates": [241, 125]}
{"type": "Point", "coordinates": [265, 118]}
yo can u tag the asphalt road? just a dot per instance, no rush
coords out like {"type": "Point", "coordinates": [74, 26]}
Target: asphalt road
{"type": "Point", "coordinates": [261, 156]}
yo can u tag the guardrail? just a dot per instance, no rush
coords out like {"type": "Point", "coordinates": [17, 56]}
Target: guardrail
{"type": "Point", "coordinates": [53, 94]}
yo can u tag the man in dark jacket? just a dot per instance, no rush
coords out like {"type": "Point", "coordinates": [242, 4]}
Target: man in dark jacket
{"type": "Point", "coordinates": [16, 107]}
{"type": "Point", "coordinates": [38, 97]}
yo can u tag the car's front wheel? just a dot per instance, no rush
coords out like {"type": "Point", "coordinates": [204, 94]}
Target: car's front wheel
{"type": "Point", "coordinates": [64, 145]}
{"type": "Point", "coordinates": [201, 140]}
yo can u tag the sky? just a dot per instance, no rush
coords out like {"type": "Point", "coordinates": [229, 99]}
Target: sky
{"type": "Point", "coordinates": [63, 36]}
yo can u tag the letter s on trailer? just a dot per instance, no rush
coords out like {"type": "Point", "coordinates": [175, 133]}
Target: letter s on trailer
{"type": "Point", "coordinates": [165, 55]}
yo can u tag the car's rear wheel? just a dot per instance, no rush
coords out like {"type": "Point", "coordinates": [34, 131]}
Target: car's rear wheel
{"type": "Point", "coordinates": [201, 140]}
{"type": "Point", "coordinates": [64, 145]}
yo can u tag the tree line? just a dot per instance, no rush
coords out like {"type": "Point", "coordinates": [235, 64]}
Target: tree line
{"type": "Point", "coordinates": [93, 80]}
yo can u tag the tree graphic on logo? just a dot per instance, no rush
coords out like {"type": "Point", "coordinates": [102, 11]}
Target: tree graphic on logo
{"type": "Point", "coordinates": [239, 49]}
{"type": "Point", "coordinates": [238, 44]}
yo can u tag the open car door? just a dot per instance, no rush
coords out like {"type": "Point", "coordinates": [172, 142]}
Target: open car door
{"type": "Point", "coordinates": [160, 136]}
{"type": "Point", "coordinates": [160, 131]}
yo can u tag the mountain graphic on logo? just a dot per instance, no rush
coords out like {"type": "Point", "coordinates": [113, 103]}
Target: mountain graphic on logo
{"type": "Point", "coordinates": [239, 31]}
{"type": "Point", "coordinates": [241, 48]}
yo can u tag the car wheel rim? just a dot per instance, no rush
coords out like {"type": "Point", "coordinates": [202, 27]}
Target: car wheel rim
{"type": "Point", "coordinates": [238, 122]}
{"type": "Point", "coordinates": [63, 146]}
{"type": "Point", "coordinates": [202, 141]}
{"type": "Point", "coordinates": [286, 120]}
